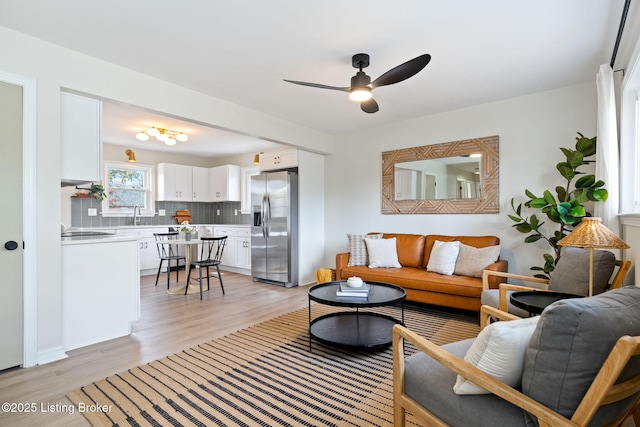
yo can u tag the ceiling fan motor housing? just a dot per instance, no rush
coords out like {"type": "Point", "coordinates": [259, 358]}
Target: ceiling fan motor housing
{"type": "Point", "coordinates": [360, 60]}
{"type": "Point", "coordinates": [360, 79]}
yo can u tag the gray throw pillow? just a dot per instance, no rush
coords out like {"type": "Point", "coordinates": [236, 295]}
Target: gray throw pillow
{"type": "Point", "coordinates": [571, 274]}
{"type": "Point", "coordinates": [570, 344]}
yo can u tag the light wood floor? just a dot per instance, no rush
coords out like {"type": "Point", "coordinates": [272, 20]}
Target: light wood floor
{"type": "Point", "coordinates": [168, 324]}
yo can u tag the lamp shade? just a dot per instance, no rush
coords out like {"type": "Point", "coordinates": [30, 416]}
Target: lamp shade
{"type": "Point", "coordinates": [592, 234]}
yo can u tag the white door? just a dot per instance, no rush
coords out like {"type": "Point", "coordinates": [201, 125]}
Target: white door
{"type": "Point", "coordinates": [11, 250]}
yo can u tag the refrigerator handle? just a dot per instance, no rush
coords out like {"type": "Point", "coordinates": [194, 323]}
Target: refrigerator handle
{"type": "Point", "coordinates": [263, 214]}
{"type": "Point", "coordinates": [268, 212]}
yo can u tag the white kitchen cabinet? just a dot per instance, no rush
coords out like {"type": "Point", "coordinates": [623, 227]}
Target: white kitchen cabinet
{"type": "Point", "coordinates": [282, 159]}
{"type": "Point", "coordinates": [245, 187]}
{"type": "Point", "coordinates": [148, 251]}
{"type": "Point", "coordinates": [224, 183]}
{"type": "Point", "coordinates": [80, 139]}
{"type": "Point", "coordinates": [243, 248]}
{"type": "Point", "coordinates": [200, 184]}
{"type": "Point", "coordinates": [174, 182]}
{"type": "Point", "coordinates": [237, 252]}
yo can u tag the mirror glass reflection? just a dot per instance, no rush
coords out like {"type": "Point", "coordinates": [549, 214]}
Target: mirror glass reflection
{"type": "Point", "coordinates": [445, 178]}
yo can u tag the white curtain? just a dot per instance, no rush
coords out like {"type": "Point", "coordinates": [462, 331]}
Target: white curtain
{"type": "Point", "coordinates": [607, 163]}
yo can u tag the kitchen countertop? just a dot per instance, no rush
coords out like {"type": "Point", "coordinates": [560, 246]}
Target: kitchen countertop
{"type": "Point", "coordinates": [75, 240]}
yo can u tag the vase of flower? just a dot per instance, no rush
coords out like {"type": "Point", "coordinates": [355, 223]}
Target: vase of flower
{"type": "Point", "coordinates": [187, 230]}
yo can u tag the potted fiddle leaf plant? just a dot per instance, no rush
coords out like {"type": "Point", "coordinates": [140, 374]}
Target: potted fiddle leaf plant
{"type": "Point", "coordinates": [564, 206]}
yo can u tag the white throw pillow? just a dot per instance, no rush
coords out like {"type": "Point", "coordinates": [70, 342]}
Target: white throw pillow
{"type": "Point", "coordinates": [358, 249]}
{"type": "Point", "coordinates": [382, 253]}
{"type": "Point", "coordinates": [471, 261]}
{"type": "Point", "coordinates": [443, 257]}
{"type": "Point", "coordinates": [499, 351]}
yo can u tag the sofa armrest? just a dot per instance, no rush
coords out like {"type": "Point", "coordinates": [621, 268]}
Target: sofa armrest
{"type": "Point", "coordinates": [342, 260]}
{"type": "Point", "coordinates": [492, 281]}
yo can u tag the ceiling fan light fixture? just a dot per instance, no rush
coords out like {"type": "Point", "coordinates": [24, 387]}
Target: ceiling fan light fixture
{"type": "Point", "coordinates": [142, 136]}
{"type": "Point", "coordinates": [360, 94]}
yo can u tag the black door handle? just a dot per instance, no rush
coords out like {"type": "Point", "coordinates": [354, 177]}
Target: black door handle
{"type": "Point", "coordinates": [11, 245]}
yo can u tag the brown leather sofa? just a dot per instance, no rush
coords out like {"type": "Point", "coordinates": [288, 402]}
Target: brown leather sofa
{"type": "Point", "coordinates": [462, 292]}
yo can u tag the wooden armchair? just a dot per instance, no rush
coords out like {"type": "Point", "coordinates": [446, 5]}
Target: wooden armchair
{"type": "Point", "coordinates": [488, 296]}
{"type": "Point", "coordinates": [438, 368]}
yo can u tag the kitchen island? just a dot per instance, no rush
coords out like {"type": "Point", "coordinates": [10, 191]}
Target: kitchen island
{"type": "Point", "coordinates": [100, 288]}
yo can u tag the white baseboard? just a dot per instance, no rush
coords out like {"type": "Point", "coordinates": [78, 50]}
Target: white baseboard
{"type": "Point", "coordinates": [51, 355]}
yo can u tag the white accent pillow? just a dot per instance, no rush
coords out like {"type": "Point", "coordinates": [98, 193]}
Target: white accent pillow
{"type": "Point", "coordinates": [358, 249]}
{"type": "Point", "coordinates": [499, 351]}
{"type": "Point", "coordinates": [443, 257]}
{"type": "Point", "coordinates": [382, 253]}
{"type": "Point", "coordinates": [472, 261]}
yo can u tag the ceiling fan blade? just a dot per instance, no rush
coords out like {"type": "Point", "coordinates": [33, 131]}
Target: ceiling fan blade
{"type": "Point", "coordinates": [370, 106]}
{"type": "Point", "coordinates": [343, 89]}
{"type": "Point", "coordinates": [402, 71]}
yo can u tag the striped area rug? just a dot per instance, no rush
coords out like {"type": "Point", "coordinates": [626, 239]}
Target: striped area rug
{"type": "Point", "coordinates": [265, 375]}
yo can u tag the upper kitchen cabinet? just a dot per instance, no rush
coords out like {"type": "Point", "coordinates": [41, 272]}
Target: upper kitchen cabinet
{"type": "Point", "coordinates": [200, 184]}
{"type": "Point", "coordinates": [175, 182]}
{"type": "Point", "coordinates": [245, 187]}
{"type": "Point", "coordinates": [80, 139]}
{"type": "Point", "coordinates": [224, 183]}
{"type": "Point", "coordinates": [281, 159]}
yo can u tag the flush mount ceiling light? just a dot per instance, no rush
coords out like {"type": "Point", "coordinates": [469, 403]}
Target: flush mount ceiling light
{"type": "Point", "coordinates": [167, 136]}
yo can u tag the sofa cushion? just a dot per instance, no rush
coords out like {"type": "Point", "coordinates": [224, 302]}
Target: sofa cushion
{"type": "Point", "coordinates": [410, 249]}
{"type": "Point", "coordinates": [571, 342]}
{"type": "Point", "coordinates": [499, 351]}
{"type": "Point", "coordinates": [419, 279]}
{"type": "Point", "coordinates": [443, 257]}
{"type": "Point", "coordinates": [382, 253]}
{"type": "Point", "coordinates": [472, 261]}
{"type": "Point", "coordinates": [431, 385]}
{"type": "Point", "coordinates": [571, 274]}
{"type": "Point", "coordinates": [475, 241]}
{"type": "Point", "coordinates": [358, 249]}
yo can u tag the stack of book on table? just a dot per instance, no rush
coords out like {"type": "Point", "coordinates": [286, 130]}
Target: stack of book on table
{"type": "Point", "coordinates": [348, 291]}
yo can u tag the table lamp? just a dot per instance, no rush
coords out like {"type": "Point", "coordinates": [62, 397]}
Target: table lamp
{"type": "Point", "coordinates": [592, 234]}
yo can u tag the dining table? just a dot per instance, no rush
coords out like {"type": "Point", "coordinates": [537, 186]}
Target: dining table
{"type": "Point", "coordinates": [188, 244]}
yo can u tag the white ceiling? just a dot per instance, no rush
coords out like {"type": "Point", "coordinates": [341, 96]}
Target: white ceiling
{"type": "Point", "coordinates": [239, 51]}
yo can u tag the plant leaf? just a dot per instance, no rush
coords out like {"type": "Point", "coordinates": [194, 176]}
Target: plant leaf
{"type": "Point", "coordinates": [585, 181]}
{"type": "Point", "coordinates": [532, 238]}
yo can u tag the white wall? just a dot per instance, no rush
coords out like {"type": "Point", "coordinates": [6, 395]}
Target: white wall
{"type": "Point", "coordinates": [531, 130]}
{"type": "Point", "coordinates": [311, 194]}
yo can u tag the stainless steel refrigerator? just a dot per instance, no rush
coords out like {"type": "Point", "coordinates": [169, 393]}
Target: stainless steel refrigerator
{"type": "Point", "coordinates": [274, 233]}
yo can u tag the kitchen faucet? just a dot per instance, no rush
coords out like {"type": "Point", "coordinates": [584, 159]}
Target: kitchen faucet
{"type": "Point", "coordinates": [136, 218]}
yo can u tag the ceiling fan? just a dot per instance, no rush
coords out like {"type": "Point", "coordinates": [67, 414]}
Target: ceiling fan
{"type": "Point", "coordinates": [361, 84]}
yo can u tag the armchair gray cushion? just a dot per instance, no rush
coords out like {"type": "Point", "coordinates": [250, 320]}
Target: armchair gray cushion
{"type": "Point", "coordinates": [571, 274]}
{"type": "Point", "coordinates": [571, 342]}
{"type": "Point", "coordinates": [491, 297]}
{"type": "Point", "coordinates": [431, 385]}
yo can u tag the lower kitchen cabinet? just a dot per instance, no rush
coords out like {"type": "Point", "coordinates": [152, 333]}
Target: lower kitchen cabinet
{"type": "Point", "coordinates": [237, 252]}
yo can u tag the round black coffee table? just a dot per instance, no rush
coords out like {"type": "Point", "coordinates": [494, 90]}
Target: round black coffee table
{"type": "Point", "coordinates": [355, 329]}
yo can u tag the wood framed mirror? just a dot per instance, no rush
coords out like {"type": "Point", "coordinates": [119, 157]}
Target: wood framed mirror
{"type": "Point", "coordinates": [459, 177]}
